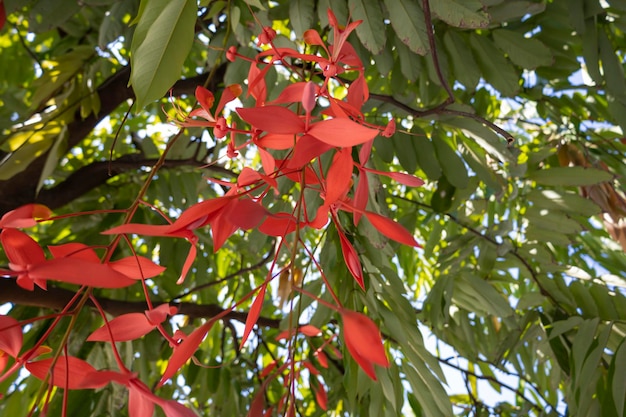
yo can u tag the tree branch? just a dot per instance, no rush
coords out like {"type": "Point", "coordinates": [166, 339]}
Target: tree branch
{"type": "Point", "coordinates": [57, 298]}
{"type": "Point", "coordinates": [21, 189]}
{"type": "Point", "coordinates": [97, 173]}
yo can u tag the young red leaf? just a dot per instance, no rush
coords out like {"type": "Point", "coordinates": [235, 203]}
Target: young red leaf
{"type": "Point", "coordinates": [311, 37]}
{"type": "Point", "coordinates": [222, 228]}
{"type": "Point", "coordinates": [253, 314]}
{"type": "Point", "coordinates": [74, 250]}
{"type": "Point", "coordinates": [231, 92]}
{"type": "Point", "coordinates": [278, 224]}
{"type": "Point", "coordinates": [308, 97]}
{"type": "Point", "coordinates": [205, 99]}
{"type": "Point", "coordinates": [361, 196]}
{"type": "Point", "coordinates": [351, 259]}
{"type": "Point", "coordinates": [363, 341]}
{"type": "Point", "coordinates": [320, 396]}
{"type": "Point", "coordinates": [139, 405]}
{"type": "Point", "coordinates": [184, 351]}
{"type": "Point", "coordinates": [137, 267]}
{"type": "Point", "coordinates": [26, 215]}
{"type": "Point", "coordinates": [126, 327]}
{"type": "Point", "coordinates": [306, 149]}
{"type": "Point", "coordinates": [341, 132]}
{"type": "Point", "coordinates": [322, 358]}
{"type": "Point", "coordinates": [158, 314]}
{"type": "Point", "coordinates": [3, 14]}
{"type": "Point", "coordinates": [172, 408]}
{"type": "Point", "coordinates": [276, 141]}
{"type": "Point", "coordinates": [272, 119]}
{"type": "Point", "coordinates": [81, 272]}
{"type": "Point", "coordinates": [401, 177]}
{"type": "Point", "coordinates": [391, 229]}
{"type": "Point", "coordinates": [310, 330]}
{"type": "Point", "coordinates": [339, 176]}
{"type": "Point", "coordinates": [20, 248]}
{"type": "Point", "coordinates": [246, 213]}
{"type": "Point", "coordinates": [10, 336]}
{"type": "Point", "coordinates": [290, 94]}
{"type": "Point", "coordinates": [268, 162]}
{"type": "Point", "coordinates": [69, 372]}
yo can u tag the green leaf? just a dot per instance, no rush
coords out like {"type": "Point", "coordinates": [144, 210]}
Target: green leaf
{"type": "Point", "coordinates": [54, 155]}
{"type": "Point", "coordinates": [494, 66]}
{"type": "Point", "coordinates": [301, 15]}
{"type": "Point", "coordinates": [255, 3]}
{"type": "Point", "coordinates": [526, 52]}
{"type": "Point", "coordinates": [372, 31]}
{"type": "Point", "coordinates": [618, 382]}
{"type": "Point", "coordinates": [163, 38]}
{"type": "Point", "coordinates": [464, 66]}
{"type": "Point", "coordinates": [568, 202]}
{"type": "Point", "coordinates": [552, 220]}
{"type": "Point", "coordinates": [463, 14]}
{"type": "Point", "coordinates": [570, 176]}
{"type": "Point", "coordinates": [407, 19]}
{"type": "Point", "coordinates": [451, 164]}
{"type": "Point", "coordinates": [510, 10]}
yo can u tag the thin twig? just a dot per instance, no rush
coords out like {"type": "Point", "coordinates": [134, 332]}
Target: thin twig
{"type": "Point", "coordinates": [430, 31]}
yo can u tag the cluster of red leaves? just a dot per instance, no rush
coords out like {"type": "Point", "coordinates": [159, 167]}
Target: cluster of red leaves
{"type": "Point", "coordinates": [292, 125]}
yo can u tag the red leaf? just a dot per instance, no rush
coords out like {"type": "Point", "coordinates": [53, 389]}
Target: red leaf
{"type": "Point", "coordinates": [205, 99]}
{"type": "Point", "coordinates": [27, 215]}
{"type": "Point", "coordinates": [267, 161]}
{"type": "Point", "coordinates": [126, 327]}
{"type": "Point", "coordinates": [253, 314]}
{"type": "Point", "coordinates": [306, 149]}
{"type": "Point", "coordinates": [256, 83]}
{"type": "Point", "coordinates": [290, 94]}
{"type": "Point", "coordinates": [3, 14]}
{"type": "Point", "coordinates": [20, 248]}
{"type": "Point", "coordinates": [278, 224]}
{"type": "Point", "coordinates": [310, 330]}
{"type": "Point", "coordinates": [172, 408]}
{"type": "Point", "coordinates": [339, 176]}
{"type": "Point", "coordinates": [363, 341]}
{"type": "Point", "coordinates": [139, 405]}
{"type": "Point", "coordinates": [308, 97]}
{"type": "Point", "coordinates": [69, 372]}
{"type": "Point", "coordinates": [75, 251]}
{"type": "Point", "coordinates": [351, 259]}
{"type": "Point", "coordinates": [401, 177]}
{"type": "Point", "coordinates": [276, 141]}
{"type": "Point", "coordinates": [322, 359]}
{"type": "Point", "coordinates": [311, 37]}
{"type": "Point", "coordinates": [361, 196]}
{"type": "Point", "coordinates": [159, 314]}
{"type": "Point", "coordinates": [221, 228]}
{"type": "Point", "coordinates": [320, 396]}
{"type": "Point", "coordinates": [10, 336]}
{"type": "Point", "coordinates": [184, 351]}
{"type": "Point", "coordinates": [81, 272]}
{"type": "Point", "coordinates": [272, 119]}
{"type": "Point", "coordinates": [391, 229]}
{"type": "Point", "coordinates": [137, 267]}
{"type": "Point", "coordinates": [141, 229]}
{"type": "Point", "coordinates": [200, 214]}
{"type": "Point", "coordinates": [341, 132]}
{"type": "Point", "coordinates": [358, 92]}
{"type": "Point", "coordinates": [257, 405]}
{"type": "Point", "coordinates": [230, 93]}
{"type": "Point", "coordinates": [246, 213]}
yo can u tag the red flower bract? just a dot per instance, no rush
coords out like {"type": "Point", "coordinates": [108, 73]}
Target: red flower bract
{"type": "Point", "coordinates": [363, 341]}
